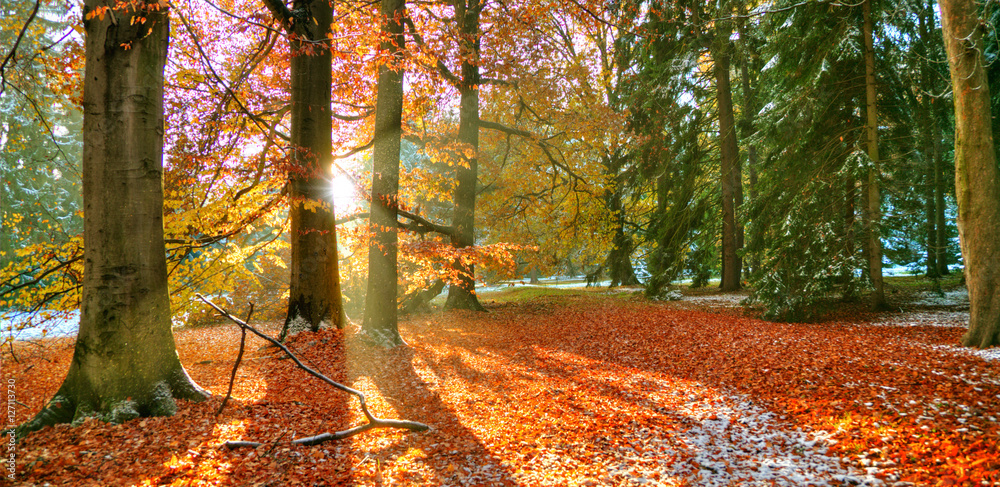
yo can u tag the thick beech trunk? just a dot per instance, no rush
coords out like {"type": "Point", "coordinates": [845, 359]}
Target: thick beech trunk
{"type": "Point", "coordinates": [462, 294]}
{"type": "Point", "coordinates": [314, 289]}
{"type": "Point", "coordinates": [730, 165]}
{"type": "Point", "coordinates": [977, 178]}
{"type": "Point", "coordinates": [874, 199]}
{"type": "Point", "coordinates": [380, 320]}
{"type": "Point", "coordinates": [124, 363]}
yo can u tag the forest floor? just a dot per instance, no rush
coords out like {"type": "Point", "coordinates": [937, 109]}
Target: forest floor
{"type": "Point", "coordinates": [562, 387]}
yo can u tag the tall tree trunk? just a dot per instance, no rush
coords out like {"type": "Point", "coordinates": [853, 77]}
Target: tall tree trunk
{"type": "Point", "coordinates": [380, 320]}
{"type": "Point", "coordinates": [462, 294]}
{"type": "Point", "coordinates": [874, 203]}
{"type": "Point", "coordinates": [749, 110]}
{"type": "Point", "coordinates": [730, 163]}
{"type": "Point", "coordinates": [930, 217]}
{"type": "Point", "coordinates": [941, 235]}
{"type": "Point", "coordinates": [619, 260]}
{"type": "Point", "coordinates": [124, 364]}
{"type": "Point", "coordinates": [927, 144]}
{"type": "Point", "coordinates": [314, 289]}
{"type": "Point", "coordinates": [977, 178]}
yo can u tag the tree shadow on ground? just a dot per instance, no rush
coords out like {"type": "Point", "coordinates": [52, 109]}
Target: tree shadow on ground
{"type": "Point", "coordinates": [451, 453]}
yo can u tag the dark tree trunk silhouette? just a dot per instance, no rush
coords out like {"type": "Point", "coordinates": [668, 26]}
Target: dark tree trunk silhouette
{"type": "Point", "coordinates": [730, 164]}
{"type": "Point", "coordinates": [874, 200]}
{"type": "Point", "coordinates": [314, 288]}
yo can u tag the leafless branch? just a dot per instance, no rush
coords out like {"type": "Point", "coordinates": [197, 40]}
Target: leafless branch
{"type": "Point", "coordinates": [373, 421]}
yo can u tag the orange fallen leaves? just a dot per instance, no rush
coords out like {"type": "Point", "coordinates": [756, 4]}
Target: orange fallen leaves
{"type": "Point", "coordinates": [547, 391]}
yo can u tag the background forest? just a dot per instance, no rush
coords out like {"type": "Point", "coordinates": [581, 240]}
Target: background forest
{"type": "Point", "coordinates": [650, 141]}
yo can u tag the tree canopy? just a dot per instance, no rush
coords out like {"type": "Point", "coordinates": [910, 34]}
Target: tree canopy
{"type": "Point", "coordinates": [652, 141]}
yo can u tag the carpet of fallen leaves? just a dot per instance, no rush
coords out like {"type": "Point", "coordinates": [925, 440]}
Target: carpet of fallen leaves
{"type": "Point", "coordinates": [580, 389]}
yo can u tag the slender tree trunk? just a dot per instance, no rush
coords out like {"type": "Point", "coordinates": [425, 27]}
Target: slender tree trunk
{"type": "Point", "coordinates": [314, 288]}
{"type": "Point", "coordinates": [850, 292]}
{"type": "Point", "coordinates": [731, 191]}
{"type": "Point", "coordinates": [930, 218]}
{"type": "Point", "coordinates": [462, 294]}
{"type": "Point", "coordinates": [380, 320]}
{"type": "Point", "coordinates": [874, 206]}
{"type": "Point", "coordinates": [124, 364]}
{"type": "Point", "coordinates": [941, 235]}
{"type": "Point", "coordinates": [747, 124]}
{"type": "Point", "coordinates": [977, 178]}
{"type": "Point", "coordinates": [927, 145]}
{"type": "Point", "coordinates": [930, 187]}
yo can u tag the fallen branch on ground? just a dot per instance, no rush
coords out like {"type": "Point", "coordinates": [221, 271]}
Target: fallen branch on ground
{"type": "Point", "coordinates": [373, 422]}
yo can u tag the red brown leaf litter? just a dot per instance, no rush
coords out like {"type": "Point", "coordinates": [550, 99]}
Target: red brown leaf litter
{"type": "Point", "coordinates": [582, 389]}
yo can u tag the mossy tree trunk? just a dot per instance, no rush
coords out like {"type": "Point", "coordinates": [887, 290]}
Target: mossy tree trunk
{"type": "Point", "coordinates": [125, 364]}
{"type": "Point", "coordinates": [977, 178]}
{"type": "Point", "coordinates": [380, 320]}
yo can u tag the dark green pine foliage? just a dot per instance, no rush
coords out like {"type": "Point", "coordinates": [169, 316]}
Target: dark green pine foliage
{"type": "Point", "coordinates": [916, 107]}
{"type": "Point", "coordinates": [673, 159]}
{"type": "Point", "coordinates": [40, 135]}
{"type": "Point", "coordinates": [804, 225]}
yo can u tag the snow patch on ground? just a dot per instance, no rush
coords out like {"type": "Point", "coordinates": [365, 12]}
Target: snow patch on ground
{"type": "Point", "coordinates": [22, 325]}
{"type": "Point", "coordinates": [718, 300]}
{"type": "Point", "coordinates": [989, 354]}
{"type": "Point", "coordinates": [955, 319]}
{"type": "Point", "coordinates": [957, 297]}
{"type": "Point", "coordinates": [734, 442]}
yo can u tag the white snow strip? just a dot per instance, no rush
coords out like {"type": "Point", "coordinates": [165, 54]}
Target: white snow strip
{"type": "Point", "coordinates": [734, 442]}
{"type": "Point", "coordinates": [956, 319]}
{"type": "Point", "coordinates": [957, 297]}
{"type": "Point", "coordinates": [722, 300]}
{"type": "Point", "coordinates": [989, 354]}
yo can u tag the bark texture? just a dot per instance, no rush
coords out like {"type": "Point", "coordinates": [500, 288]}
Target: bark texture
{"type": "Point", "coordinates": [314, 289]}
{"type": "Point", "coordinates": [380, 321]}
{"type": "Point", "coordinates": [729, 154]}
{"type": "Point", "coordinates": [125, 364]}
{"type": "Point", "coordinates": [874, 199]}
{"type": "Point", "coordinates": [977, 178]}
{"type": "Point", "coordinates": [462, 294]}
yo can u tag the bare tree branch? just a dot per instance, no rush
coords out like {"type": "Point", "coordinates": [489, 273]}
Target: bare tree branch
{"type": "Point", "coordinates": [373, 421]}
{"type": "Point", "coordinates": [17, 42]}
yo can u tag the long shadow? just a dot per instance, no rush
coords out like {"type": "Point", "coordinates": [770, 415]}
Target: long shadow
{"type": "Point", "coordinates": [802, 371]}
{"type": "Point", "coordinates": [451, 453]}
